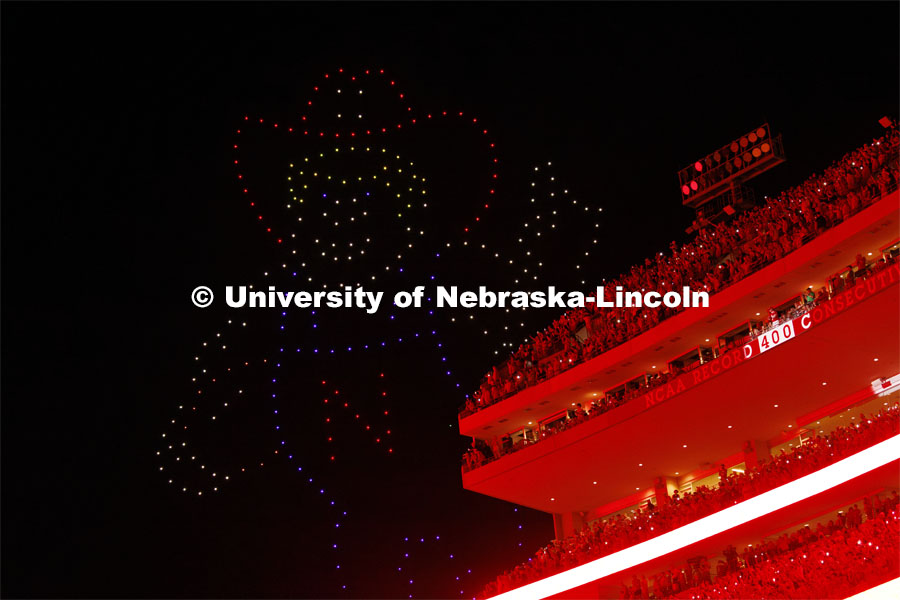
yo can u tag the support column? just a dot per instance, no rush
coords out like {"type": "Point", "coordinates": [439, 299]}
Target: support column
{"type": "Point", "coordinates": [567, 524]}
{"type": "Point", "coordinates": [663, 488]}
{"type": "Point", "coordinates": [558, 528]}
{"type": "Point", "coordinates": [755, 452]}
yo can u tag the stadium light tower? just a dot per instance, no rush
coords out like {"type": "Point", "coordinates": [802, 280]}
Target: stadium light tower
{"type": "Point", "coordinates": [714, 185]}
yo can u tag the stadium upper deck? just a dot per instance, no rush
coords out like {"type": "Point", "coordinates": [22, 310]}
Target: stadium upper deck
{"type": "Point", "coordinates": [861, 220]}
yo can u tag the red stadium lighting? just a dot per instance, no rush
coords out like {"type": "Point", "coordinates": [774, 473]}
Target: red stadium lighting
{"type": "Point", "coordinates": [730, 166]}
{"type": "Point", "coordinates": [685, 190]}
{"type": "Point", "coordinates": [694, 185]}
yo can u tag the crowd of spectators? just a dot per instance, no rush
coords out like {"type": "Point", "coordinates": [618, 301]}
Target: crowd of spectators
{"type": "Point", "coordinates": [609, 535]}
{"type": "Point", "coordinates": [855, 550]}
{"type": "Point", "coordinates": [482, 452]}
{"type": "Point", "coordinates": [718, 256]}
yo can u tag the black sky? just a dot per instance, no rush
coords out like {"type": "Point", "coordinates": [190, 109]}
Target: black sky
{"type": "Point", "coordinates": [117, 200]}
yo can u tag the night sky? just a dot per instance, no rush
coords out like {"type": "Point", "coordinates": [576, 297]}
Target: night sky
{"type": "Point", "coordinates": [119, 196]}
